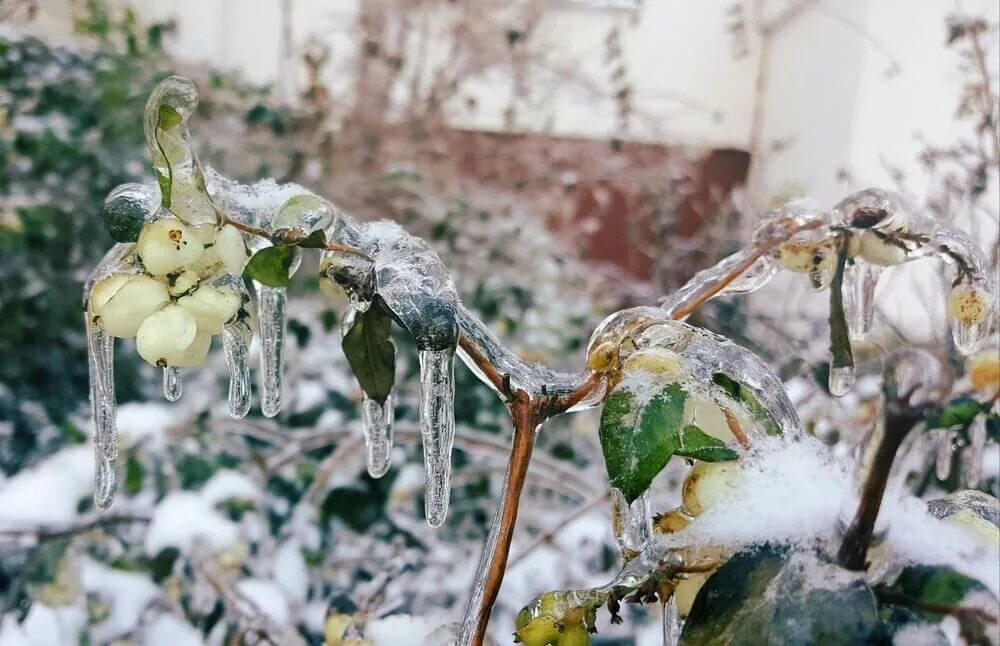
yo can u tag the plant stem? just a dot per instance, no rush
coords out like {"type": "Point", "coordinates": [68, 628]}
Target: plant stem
{"type": "Point", "coordinates": [267, 235]}
{"type": "Point", "coordinates": [524, 416]}
{"type": "Point", "coordinates": [900, 418]}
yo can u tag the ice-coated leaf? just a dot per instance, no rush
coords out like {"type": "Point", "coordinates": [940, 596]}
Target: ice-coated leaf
{"type": "Point", "coordinates": [958, 412]}
{"type": "Point", "coordinates": [740, 393]}
{"type": "Point", "coordinates": [371, 353]}
{"type": "Point", "coordinates": [935, 585]}
{"type": "Point", "coordinates": [766, 596]}
{"type": "Point", "coordinates": [699, 445]}
{"type": "Point", "coordinates": [271, 266]}
{"type": "Point", "coordinates": [315, 240]}
{"type": "Point", "coordinates": [638, 439]}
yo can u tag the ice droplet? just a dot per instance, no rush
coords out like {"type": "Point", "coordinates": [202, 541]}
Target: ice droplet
{"type": "Point", "coordinates": [100, 356]}
{"type": "Point", "coordinates": [969, 337]}
{"type": "Point", "coordinates": [173, 385]}
{"type": "Point", "coordinates": [841, 380]}
{"type": "Point", "coordinates": [437, 429]}
{"type": "Point", "coordinates": [632, 523]}
{"type": "Point", "coordinates": [377, 419]}
{"type": "Point", "coordinates": [271, 319]}
{"type": "Point", "coordinates": [972, 460]}
{"type": "Point", "coordinates": [942, 458]}
{"type": "Point", "coordinates": [860, 280]}
{"type": "Point", "coordinates": [235, 342]}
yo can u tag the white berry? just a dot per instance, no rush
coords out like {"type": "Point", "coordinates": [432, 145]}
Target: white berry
{"type": "Point", "coordinates": [167, 245]}
{"type": "Point", "coordinates": [121, 313]}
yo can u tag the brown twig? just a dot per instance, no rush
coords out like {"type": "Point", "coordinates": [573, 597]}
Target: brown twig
{"type": "Point", "coordinates": [524, 414]}
{"type": "Point", "coordinates": [269, 235]}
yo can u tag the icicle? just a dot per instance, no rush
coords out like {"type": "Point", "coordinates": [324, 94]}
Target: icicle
{"type": "Point", "coordinates": [173, 386]}
{"type": "Point", "coordinates": [972, 459]}
{"type": "Point", "coordinates": [671, 622]}
{"type": "Point", "coordinates": [860, 280]}
{"type": "Point", "coordinates": [632, 523]}
{"type": "Point", "coordinates": [840, 380]}
{"type": "Point", "coordinates": [100, 355]}
{"type": "Point", "coordinates": [437, 428]}
{"type": "Point", "coordinates": [271, 319]}
{"type": "Point", "coordinates": [377, 419]}
{"type": "Point", "coordinates": [942, 458]}
{"type": "Point", "coordinates": [235, 341]}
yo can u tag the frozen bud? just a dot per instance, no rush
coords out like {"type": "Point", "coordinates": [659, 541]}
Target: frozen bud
{"type": "Point", "coordinates": [231, 249]}
{"type": "Point", "coordinates": [878, 249]}
{"type": "Point", "coordinates": [167, 245]}
{"type": "Point", "coordinates": [126, 210]}
{"type": "Point", "coordinates": [212, 306]}
{"type": "Point", "coordinates": [354, 273]}
{"type": "Point", "coordinates": [984, 371]}
{"type": "Point", "coordinates": [182, 282]}
{"type": "Point", "coordinates": [660, 362]}
{"type": "Point", "coordinates": [968, 304]}
{"type": "Point", "coordinates": [164, 336]}
{"type": "Point", "coordinates": [807, 256]}
{"type": "Point", "coordinates": [120, 303]}
{"type": "Point", "coordinates": [603, 358]}
{"type": "Point", "coordinates": [709, 482]}
{"type": "Point", "coordinates": [872, 208]}
{"type": "Point", "coordinates": [306, 213]}
{"type": "Point", "coordinates": [672, 522]}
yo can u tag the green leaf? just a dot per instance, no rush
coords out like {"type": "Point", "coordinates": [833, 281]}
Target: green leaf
{"type": "Point", "coordinates": [168, 118]}
{"type": "Point", "coordinates": [840, 338]}
{"type": "Point", "coordinates": [315, 240]}
{"type": "Point", "coordinates": [371, 353]}
{"type": "Point", "coordinates": [699, 445]}
{"type": "Point", "coordinates": [270, 266]}
{"type": "Point", "coordinates": [767, 596]}
{"type": "Point", "coordinates": [958, 412]}
{"type": "Point", "coordinates": [738, 392]}
{"type": "Point", "coordinates": [135, 474]}
{"type": "Point", "coordinates": [932, 585]}
{"type": "Point", "coordinates": [638, 440]}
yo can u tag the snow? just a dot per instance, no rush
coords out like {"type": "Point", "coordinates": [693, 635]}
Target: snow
{"type": "Point", "coordinates": [807, 490]}
{"type": "Point", "coordinates": [49, 492]}
{"type": "Point", "coordinates": [227, 484]}
{"type": "Point", "coordinates": [170, 630]}
{"type": "Point", "coordinates": [126, 594]}
{"type": "Point", "coordinates": [267, 597]}
{"type": "Point", "coordinates": [184, 520]}
{"type": "Point", "coordinates": [291, 572]}
{"type": "Point", "coordinates": [402, 630]}
{"type": "Point", "coordinates": [146, 422]}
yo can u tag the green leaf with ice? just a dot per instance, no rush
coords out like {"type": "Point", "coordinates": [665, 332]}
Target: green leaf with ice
{"type": "Point", "coordinates": [271, 266]}
{"type": "Point", "coordinates": [371, 353]}
{"type": "Point", "coordinates": [767, 596]}
{"type": "Point", "coordinates": [638, 438]}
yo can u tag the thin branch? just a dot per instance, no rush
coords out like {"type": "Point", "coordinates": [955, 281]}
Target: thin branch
{"type": "Point", "coordinates": [269, 235]}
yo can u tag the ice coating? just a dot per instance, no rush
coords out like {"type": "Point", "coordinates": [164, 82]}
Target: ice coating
{"type": "Point", "coordinates": [972, 459]}
{"type": "Point", "coordinates": [101, 369]}
{"type": "Point", "coordinates": [437, 429]}
{"type": "Point", "coordinates": [944, 447]}
{"type": "Point", "coordinates": [756, 274]}
{"type": "Point", "coordinates": [377, 424]}
{"type": "Point", "coordinates": [632, 523]}
{"type": "Point", "coordinates": [671, 622]}
{"type": "Point", "coordinates": [530, 377]}
{"type": "Point", "coordinates": [175, 164]}
{"type": "Point", "coordinates": [173, 385]}
{"type": "Point", "coordinates": [272, 326]}
{"type": "Point", "coordinates": [840, 380]}
{"type": "Point", "coordinates": [860, 280]}
{"type": "Point", "coordinates": [235, 345]}
{"type": "Point", "coordinates": [703, 353]}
